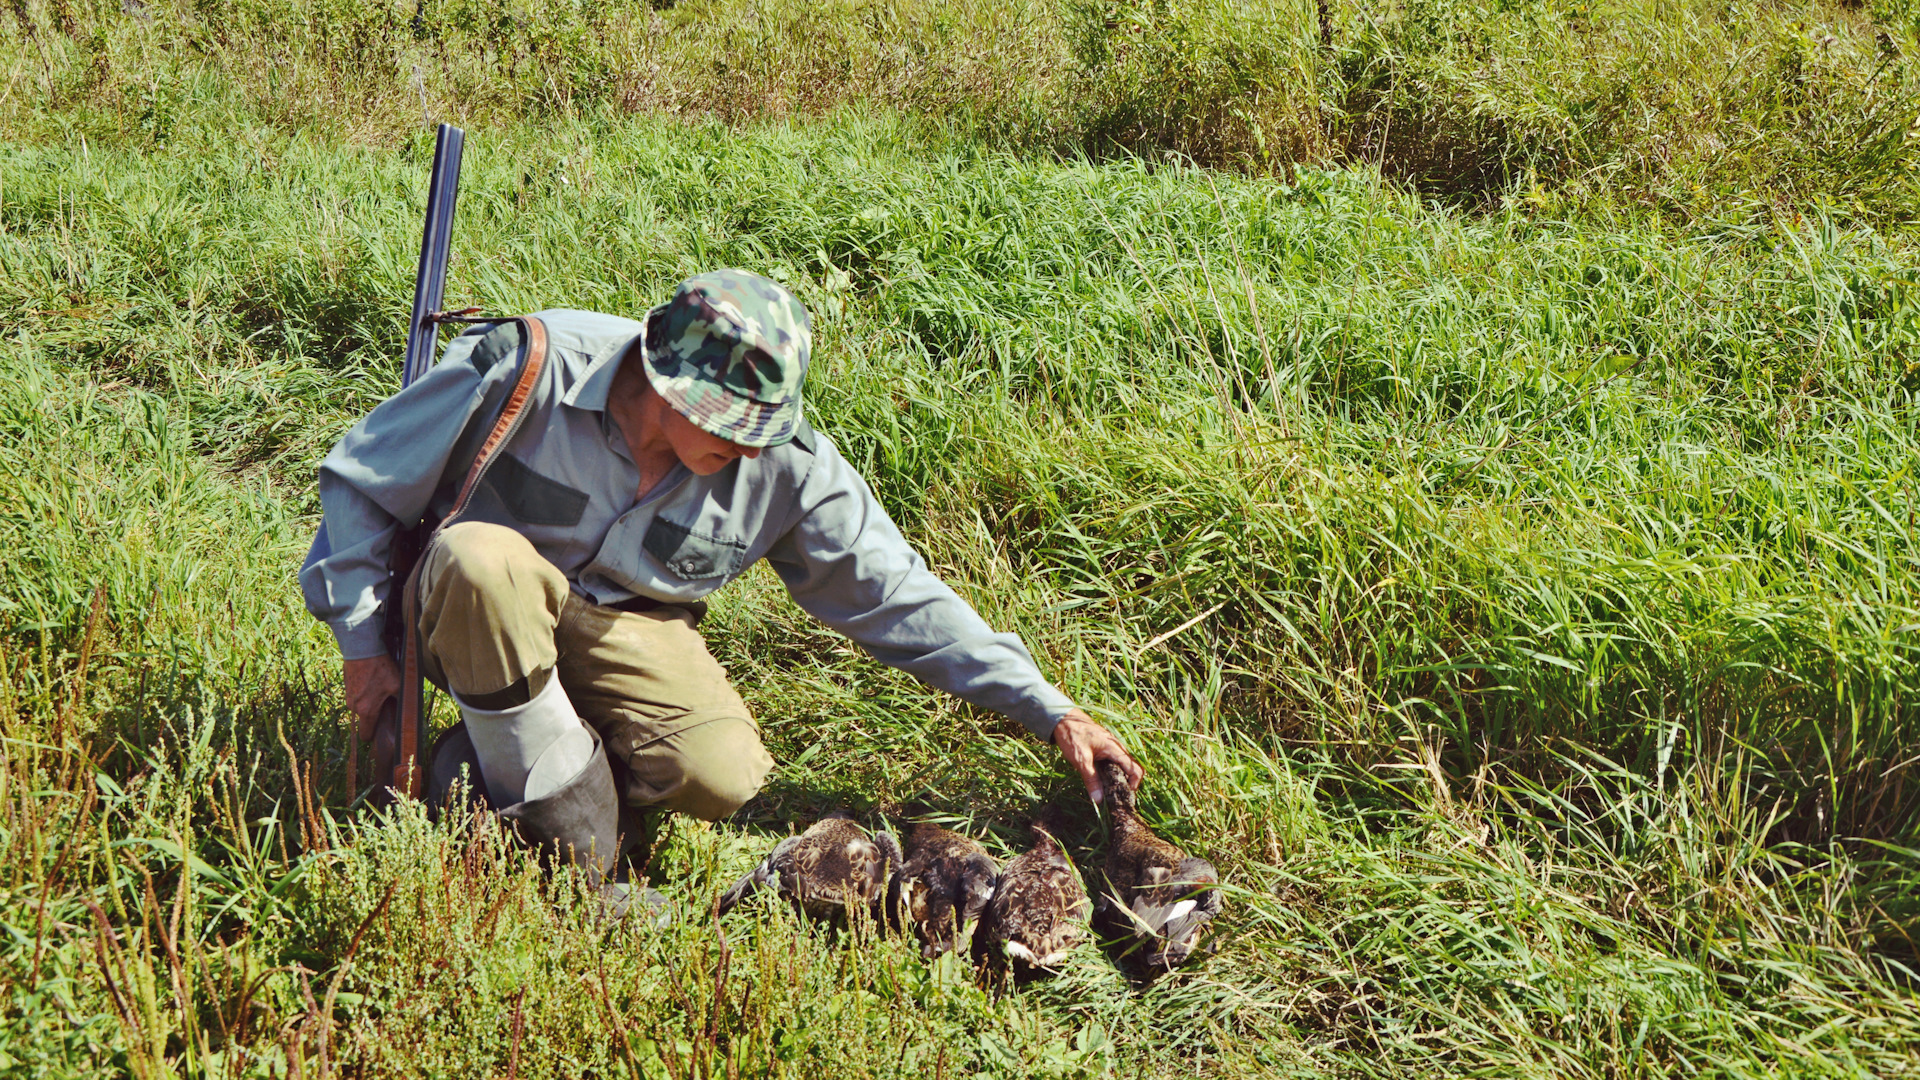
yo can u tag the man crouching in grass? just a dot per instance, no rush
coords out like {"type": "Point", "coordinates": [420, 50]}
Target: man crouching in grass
{"type": "Point", "coordinates": [657, 461]}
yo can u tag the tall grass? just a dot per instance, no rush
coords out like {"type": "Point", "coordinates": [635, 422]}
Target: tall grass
{"type": "Point", "coordinates": [1708, 114]}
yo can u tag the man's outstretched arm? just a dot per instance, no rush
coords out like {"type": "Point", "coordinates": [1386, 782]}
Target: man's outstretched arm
{"type": "Point", "coordinates": [848, 565]}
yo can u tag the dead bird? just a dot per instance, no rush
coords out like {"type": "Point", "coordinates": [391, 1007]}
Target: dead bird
{"type": "Point", "coordinates": [833, 866]}
{"type": "Point", "coordinates": [944, 885]}
{"type": "Point", "coordinates": [1156, 896]}
{"type": "Point", "coordinates": [1039, 912]}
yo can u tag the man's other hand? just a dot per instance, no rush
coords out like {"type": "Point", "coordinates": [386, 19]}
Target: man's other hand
{"type": "Point", "coordinates": [370, 682]}
{"type": "Point", "coordinates": [1083, 741]}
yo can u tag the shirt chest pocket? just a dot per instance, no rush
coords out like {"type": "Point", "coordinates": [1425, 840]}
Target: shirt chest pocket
{"type": "Point", "coordinates": [691, 553]}
{"type": "Point", "coordinates": [531, 498]}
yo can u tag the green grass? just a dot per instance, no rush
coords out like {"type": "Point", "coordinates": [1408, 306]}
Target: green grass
{"type": "Point", "coordinates": [1519, 609]}
{"type": "Point", "coordinates": [1706, 113]}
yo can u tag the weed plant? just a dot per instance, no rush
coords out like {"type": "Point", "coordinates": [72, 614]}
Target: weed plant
{"type": "Point", "coordinates": [1520, 612]}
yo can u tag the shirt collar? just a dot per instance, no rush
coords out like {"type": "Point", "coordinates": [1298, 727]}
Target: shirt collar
{"type": "Point", "coordinates": [591, 391]}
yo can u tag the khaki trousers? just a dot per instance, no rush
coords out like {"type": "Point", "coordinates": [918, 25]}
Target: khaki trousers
{"type": "Point", "coordinates": [493, 612]}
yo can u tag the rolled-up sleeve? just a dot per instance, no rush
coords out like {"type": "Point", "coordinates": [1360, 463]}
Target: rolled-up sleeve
{"type": "Point", "coordinates": [846, 564]}
{"type": "Point", "coordinates": [379, 476]}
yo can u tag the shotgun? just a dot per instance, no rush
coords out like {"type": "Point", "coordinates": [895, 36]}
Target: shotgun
{"type": "Point", "coordinates": [398, 746]}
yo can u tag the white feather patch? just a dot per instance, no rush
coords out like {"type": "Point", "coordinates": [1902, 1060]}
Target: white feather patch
{"type": "Point", "coordinates": [1017, 951]}
{"type": "Point", "coordinates": [1180, 909]}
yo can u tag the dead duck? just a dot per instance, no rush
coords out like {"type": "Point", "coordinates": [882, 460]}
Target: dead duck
{"type": "Point", "coordinates": [1155, 897]}
{"type": "Point", "coordinates": [833, 866]}
{"type": "Point", "coordinates": [944, 884]}
{"type": "Point", "coordinates": [1038, 913]}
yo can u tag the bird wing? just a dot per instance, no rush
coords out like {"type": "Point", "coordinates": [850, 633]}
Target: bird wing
{"type": "Point", "coordinates": [1177, 903]}
{"type": "Point", "coordinates": [1188, 915]}
{"type": "Point", "coordinates": [767, 873]}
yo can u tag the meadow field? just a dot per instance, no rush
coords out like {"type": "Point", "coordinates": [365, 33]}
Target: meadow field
{"type": "Point", "coordinates": [1467, 449]}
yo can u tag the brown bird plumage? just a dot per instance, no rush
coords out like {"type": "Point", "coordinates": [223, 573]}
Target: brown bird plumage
{"type": "Point", "coordinates": [944, 885]}
{"type": "Point", "coordinates": [1154, 894]}
{"type": "Point", "coordinates": [1038, 913]}
{"type": "Point", "coordinates": [832, 866]}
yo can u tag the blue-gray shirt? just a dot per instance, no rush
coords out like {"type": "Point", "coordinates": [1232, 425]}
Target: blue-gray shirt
{"type": "Point", "coordinates": [567, 483]}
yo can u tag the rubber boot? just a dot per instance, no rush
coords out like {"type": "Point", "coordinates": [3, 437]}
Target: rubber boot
{"type": "Point", "coordinates": [452, 763]}
{"type": "Point", "coordinates": [578, 825]}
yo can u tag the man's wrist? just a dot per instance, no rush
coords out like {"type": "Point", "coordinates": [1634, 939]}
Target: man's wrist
{"type": "Point", "coordinates": [1051, 731]}
{"type": "Point", "coordinates": [1071, 716]}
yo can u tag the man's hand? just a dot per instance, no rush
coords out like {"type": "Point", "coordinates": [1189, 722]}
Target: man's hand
{"type": "Point", "coordinates": [370, 682]}
{"type": "Point", "coordinates": [1083, 741]}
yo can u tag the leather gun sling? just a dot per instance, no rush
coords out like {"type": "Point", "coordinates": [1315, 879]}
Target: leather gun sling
{"type": "Point", "coordinates": [408, 776]}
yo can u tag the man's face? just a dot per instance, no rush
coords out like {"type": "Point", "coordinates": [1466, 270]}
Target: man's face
{"type": "Point", "coordinates": [702, 452]}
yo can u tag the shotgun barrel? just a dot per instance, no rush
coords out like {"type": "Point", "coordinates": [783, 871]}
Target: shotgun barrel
{"type": "Point", "coordinates": [430, 281]}
{"type": "Point", "coordinates": [400, 736]}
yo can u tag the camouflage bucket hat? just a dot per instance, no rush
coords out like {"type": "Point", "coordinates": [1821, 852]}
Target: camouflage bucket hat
{"type": "Point", "coordinates": [729, 352]}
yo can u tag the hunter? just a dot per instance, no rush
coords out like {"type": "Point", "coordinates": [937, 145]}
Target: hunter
{"type": "Point", "coordinates": [657, 461]}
